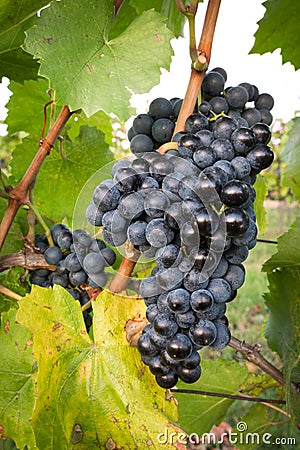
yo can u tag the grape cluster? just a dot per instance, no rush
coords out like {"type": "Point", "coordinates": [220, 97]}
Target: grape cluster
{"type": "Point", "coordinates": [192, 210]}
{"type": "Point", "coordinates": [80, 261]}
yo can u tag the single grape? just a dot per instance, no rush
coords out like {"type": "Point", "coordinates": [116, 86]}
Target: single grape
{"type": "Point", "coordinates": [131, 205]}
{"type": "Point", "coordinates": [167, 381]}
{"type": "Point", "coordinates": [235, 193]}
{"type": "Point", "coordinates": [235, 276]}
{"type": "Point", "coordinates": [77, 278]}
{"type": "Point", "coordinates": [162, 130]}
{"type": "Point", "coordinates": [170, 278]}
{"type": "Point", "coordinates": [262, 133]}
{"type": "Point", "coordinates": [179, 347]}
{"type": "Point", "coordinates": [113, 221]}
{"type": "Point", "coordinates": [219, 105]}
{"type": "Point", "coordinates": [94, 215]}
{"type": "Point", "coordinates": [222, 148]}
{"type": "Point", "coordinates": [223, 335]}
{"type": "Point", "coordinates": [252, 116]}
{"type": "Point", "coordinates": [136, 232]}
{"type": "Point", "coordinates": [156, 203]}
{"type": "Point", "coordinates": [188, 375]}
{"type": "Point", "coordinates": [109, 256]}
{"type": "Point", "coordinates": [243, 140]}
{"type": "Point", "coordinates": [213, 84]}
{"type": "Point", "coordinates": [237, 221]}
{"type": "Point", "coordinates": [142, 124]}
{"type": "Point", "coordinates": [149, 287]}
{"type": "Point", "coordinates": [264, 101]}
{"type": "Point", "coordinates": [93, 263]}
{"type": "Point", "coordinates": [260, 157]}
{"type": "Point", "coordinates": [196, 122]}
{"type": "Point", "coordinates": [223, 127]}
{"type": "Point", "coordinates": [141, 143]}
{"type": "Point", "coordinates": [237, 97]}
{"type": "Point", "coordinates": [165, 325]}
{"type": "Point", "coordinates": [220, 290]}
{"type": "Point", "coordinates": [160, 107]}
{"type": "Point", "coordinates": [158, 234]}
{"type": "Point", "coordinates": [53, 255]}
{"type": "Point", "coordinates": [201, 300]}
{"type": "Point", "coordinates": [203, 332]}
{"type": "Point", "coordinates": [178, 300]}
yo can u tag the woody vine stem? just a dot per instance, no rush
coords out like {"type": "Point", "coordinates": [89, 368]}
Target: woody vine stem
{"type": "Point", "coordinates": [19, 195]}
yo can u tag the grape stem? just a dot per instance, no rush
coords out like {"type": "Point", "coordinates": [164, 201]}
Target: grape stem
{"type": "Point", "coordinates": [267, 241]}
{"type": "Point", "coordinates": [8, 293]}
{"type": "Point", "coordinates": [19, 195]}
{"type": "Point", "coordinates": [196, 77]}
{"type": "Point", "coordinates": [252, 354]}
{"type": "Point", "coordinates": [231, 396]}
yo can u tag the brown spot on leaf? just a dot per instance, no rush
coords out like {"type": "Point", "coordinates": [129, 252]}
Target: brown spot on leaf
{"type": "Point", "coordinates": [48, 40]}
{"type": "Point", "coordinates": [58, 348]}
{"type": "Point", "coordinates": [110, 445]}
{"type": "Point", "coordinates": [6, 327]}
{"type": "Point", "coordinates": [90, 67]}
{"type": "Point", "coordinates": [83, 332]}
{"type": "Point", "coordinates": [158, 37]}
{"type": "Point", "coordinates": [77, 434]}
{"type": "Point", "coordinates": [2, 432]}
{"type": "Point", "coordinates": [149, 443]}
{"type": "Point", "coordinates": [47, 307]}
{"type": "Point", "coordinates": [141, 373]}
{"type": "Point", "coordinates": [56, 326]}
{"type": "Point", "coordinates": [29, 342]}
{"type": "Point", "coordinates": [134, 330]}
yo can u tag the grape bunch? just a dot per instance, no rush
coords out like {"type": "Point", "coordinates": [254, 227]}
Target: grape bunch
{"type": "Point", "coordinates": [192, 211]}
{"type": "Point", "coordinates": [80, 261]}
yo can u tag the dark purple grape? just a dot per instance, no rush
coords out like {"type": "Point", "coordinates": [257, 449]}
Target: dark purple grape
{"type": "Point", "coordinates": [203, 333]}
{"type": "Point", "coordinates": [264, 101]}
{"type": "Point", "coordinates": [237, 221]}
{"type": "Point", "coordinates": [196, 122]}
{"type": "Point", "coordinates": [235, 193]}
{"type": "Point", "coordinates": [142, 124]}
{"type": "Point", "coordinates": [260, 157]}
{"type": "Point", "coordinates": [167, 381]}
{"type": "Point", "coordinates": [213, 84]}
{"type": "Point", "coordinates": [179, 347]}
{"type": "Point", "coordinates": [189, 375]}
{"type": "Point", "coordinates": [262, 132]}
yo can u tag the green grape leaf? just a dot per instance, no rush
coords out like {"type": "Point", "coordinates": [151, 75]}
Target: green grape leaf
{"type": "Point", "coordinates": [283, 328]}
{"type": "Point", "coordinates": [198, 413]}
{"type": "Point", "coordinates": [14, 240]}
{"type": "Point", "coordinates": [16, 381]}
{"type": "Point", "coordinates": [15, 19]}
{"type": "Point", "coordinates": [28, 101]}
{"type": "Point", "coordinates": [248, 432]}
{"type": "Point", "coordinates": [66, 173]}
{"type": "Point", "coordinates": [11, 279]}
{"type": "Point", "coordinates": [168, 8]}
{"type": "Point", "coordinates": [100, 120]}
{"type": "Point", "coordinates": [25, 107]}
{"type": "Point", "coordinates": [279, 28]}
{"type": "Point", "coordinates": [288, 250]}
{"type": "Point", "coordinates": [96, 393]}
{"type": "Point", "coordinates": [260, 210]}
{"type": "Point", "coordinates": [290, 154]}
{"type": "Point", "coordinates": [255, 384]}
{"type": "Point", "coordinates": [89, 71]}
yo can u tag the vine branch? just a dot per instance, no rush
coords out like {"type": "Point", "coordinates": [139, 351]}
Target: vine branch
{"type": "Point", "coordinates": [19, 195]}
{"type": "Point", "coordinates": [196, 77]}
{"type": "Point", "coordinates": [27, 260]}
{"type": "Point", "coordinates": [252, 354]}
{"type": "Point", "coordinates": [120, 280]}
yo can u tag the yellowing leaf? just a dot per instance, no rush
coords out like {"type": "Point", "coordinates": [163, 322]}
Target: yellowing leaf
{"type": "Point", "coordinates": [91, 392]}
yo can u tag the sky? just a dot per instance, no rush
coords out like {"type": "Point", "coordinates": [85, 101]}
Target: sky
{"type": "Point", "coordinates": [234, 37]}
